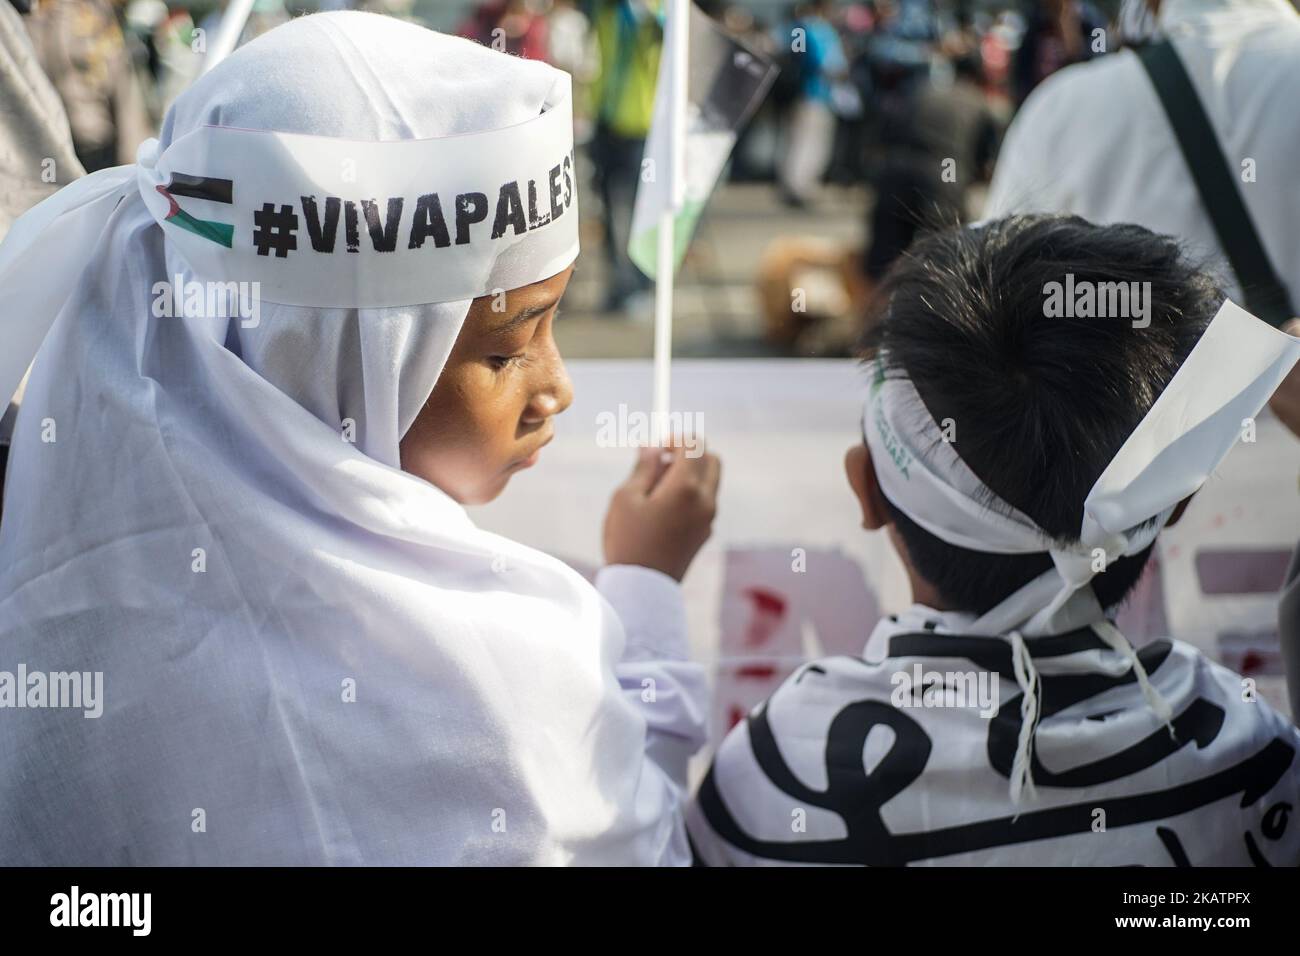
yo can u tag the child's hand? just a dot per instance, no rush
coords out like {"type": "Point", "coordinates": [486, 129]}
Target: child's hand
{"type": "Point", "coordinates": [662, 515]}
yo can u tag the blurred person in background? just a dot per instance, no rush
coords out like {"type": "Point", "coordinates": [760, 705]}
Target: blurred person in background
{"type": "Point", "coordinates": [938, 142]}
{"type": "Point", "coordinates": [572, 48]}
{"type": "Point", "coordinates": [811, 48]}
{"type": "Point", "coordinates": [266, 15]}
{"type": "Point", "coordinates": [852, 96]}
{"type": "Point", "coordinates": [937, 135]}
{"type": "Point", "coordinates": [140, 22]}
{"type": "Point", "coordinates": [81, 49]}
{"type": "Point", "coordinates": [397, 9]}
{"type": "Point", "coordinates": [998, 38]}
{"type": "Point", "coordinates": [509, 26]}
{"type": "Point", "coordinates": [36, 152]}
{"type": "Point", "coordinates": [898, 58]}
{"type": "Point", "coordinates": [1094, 140]}
{"type": "Point", "coordinates": [569, 40]}
{"type": "Point", "coordinates": [755, 155]}
{"type": "Point", "coordinates": [1058, 33]}
{"type": "Point", "coordinates": [629, 36]}
{"type": "Point", "coordinates": [179, 60]}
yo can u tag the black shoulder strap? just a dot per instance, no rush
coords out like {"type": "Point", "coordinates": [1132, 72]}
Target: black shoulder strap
{"type": "Point", "coordinates": [1265, 294]}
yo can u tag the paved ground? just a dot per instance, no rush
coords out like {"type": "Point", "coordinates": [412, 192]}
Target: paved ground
{"type": "Point", "coordinates": [715, 311]}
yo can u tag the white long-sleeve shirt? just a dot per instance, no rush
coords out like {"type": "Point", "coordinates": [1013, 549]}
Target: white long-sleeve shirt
{"type": "Point", "coordinates": [660, 680]}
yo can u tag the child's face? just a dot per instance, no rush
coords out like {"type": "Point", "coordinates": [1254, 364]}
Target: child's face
{"type": "Point", "coordinates": [490, 413]}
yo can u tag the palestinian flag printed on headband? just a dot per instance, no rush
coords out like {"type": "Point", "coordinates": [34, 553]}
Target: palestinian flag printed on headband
{"type": "Point", "coordinates": [727, 81]}
{"type": "Point", "coordinates": [200, 187]}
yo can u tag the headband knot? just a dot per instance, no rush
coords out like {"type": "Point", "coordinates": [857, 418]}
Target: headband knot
{"type": "Point", "coordinates": [146, 157]}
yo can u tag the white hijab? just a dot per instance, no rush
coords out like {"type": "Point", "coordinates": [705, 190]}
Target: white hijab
{"type": "Point", "coordinates": [487, 726]}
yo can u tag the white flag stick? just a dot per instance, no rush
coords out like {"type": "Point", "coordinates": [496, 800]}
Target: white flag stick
{"type": "Point", "coordinates": [663, 327]}
{"type": "Point", "coordinates": [676, 46]}
{"type": "Point", "coordinates": [228, 33]}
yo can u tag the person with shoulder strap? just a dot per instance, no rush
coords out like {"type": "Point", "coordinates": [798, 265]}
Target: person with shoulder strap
{"type": "Point", "coordinates": [1193, 133]}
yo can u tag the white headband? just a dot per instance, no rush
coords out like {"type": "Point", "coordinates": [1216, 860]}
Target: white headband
{"type": "Point", "coordinates": [316, 221]}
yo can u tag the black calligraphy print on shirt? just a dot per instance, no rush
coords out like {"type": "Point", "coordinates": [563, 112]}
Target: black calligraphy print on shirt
{"type": "Point", "coordinates": [857, 796]}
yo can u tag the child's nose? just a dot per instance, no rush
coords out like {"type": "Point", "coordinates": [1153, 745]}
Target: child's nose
{"type": "Point", "coordinates": [555, 395]}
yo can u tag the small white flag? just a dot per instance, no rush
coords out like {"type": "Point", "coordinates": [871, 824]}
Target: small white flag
{"type": "Point", "coordinates": [727, 82]}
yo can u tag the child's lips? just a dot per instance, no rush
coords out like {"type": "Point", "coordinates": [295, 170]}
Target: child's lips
{"type": "Point", "coordinates": [536, 454]}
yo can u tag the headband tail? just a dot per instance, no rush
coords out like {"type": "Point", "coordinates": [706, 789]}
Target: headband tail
{"type": "Point", "coordinates": [63, 228]}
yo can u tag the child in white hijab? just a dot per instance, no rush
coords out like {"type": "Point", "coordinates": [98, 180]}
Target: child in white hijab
{"type": "Point", "coordinates": [244, 616]}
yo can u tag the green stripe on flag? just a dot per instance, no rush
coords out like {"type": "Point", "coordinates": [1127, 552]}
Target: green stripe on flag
{"type": "Point", "coordinates": [643, 248]}
{"type": "Point", "coordinates": [219, 232]}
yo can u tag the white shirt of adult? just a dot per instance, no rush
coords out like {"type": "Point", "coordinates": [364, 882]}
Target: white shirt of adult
{"type": "Point", "coordinates": [1094, 140]}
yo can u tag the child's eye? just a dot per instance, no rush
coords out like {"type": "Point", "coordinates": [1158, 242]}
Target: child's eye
{"type": "Point", "coordinates": [502, 362]}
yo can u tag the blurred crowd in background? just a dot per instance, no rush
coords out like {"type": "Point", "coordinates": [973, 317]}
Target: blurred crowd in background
{"type": "Point", "coordinates": [886, 118]}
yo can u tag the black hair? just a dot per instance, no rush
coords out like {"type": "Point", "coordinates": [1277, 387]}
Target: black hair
{"type": "Point", "coordinates": [1039, 403]}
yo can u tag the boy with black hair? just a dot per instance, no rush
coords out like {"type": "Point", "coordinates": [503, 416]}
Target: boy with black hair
{"type": "Point", "coordinates": [1023, 457]}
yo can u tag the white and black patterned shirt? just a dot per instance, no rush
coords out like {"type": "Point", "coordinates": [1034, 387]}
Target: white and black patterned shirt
{"type": "Point", "coordinates": [851, 763]}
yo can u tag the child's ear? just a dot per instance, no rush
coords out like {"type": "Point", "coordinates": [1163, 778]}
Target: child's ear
{"type": "Point", "coordinates": [861, 473]}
